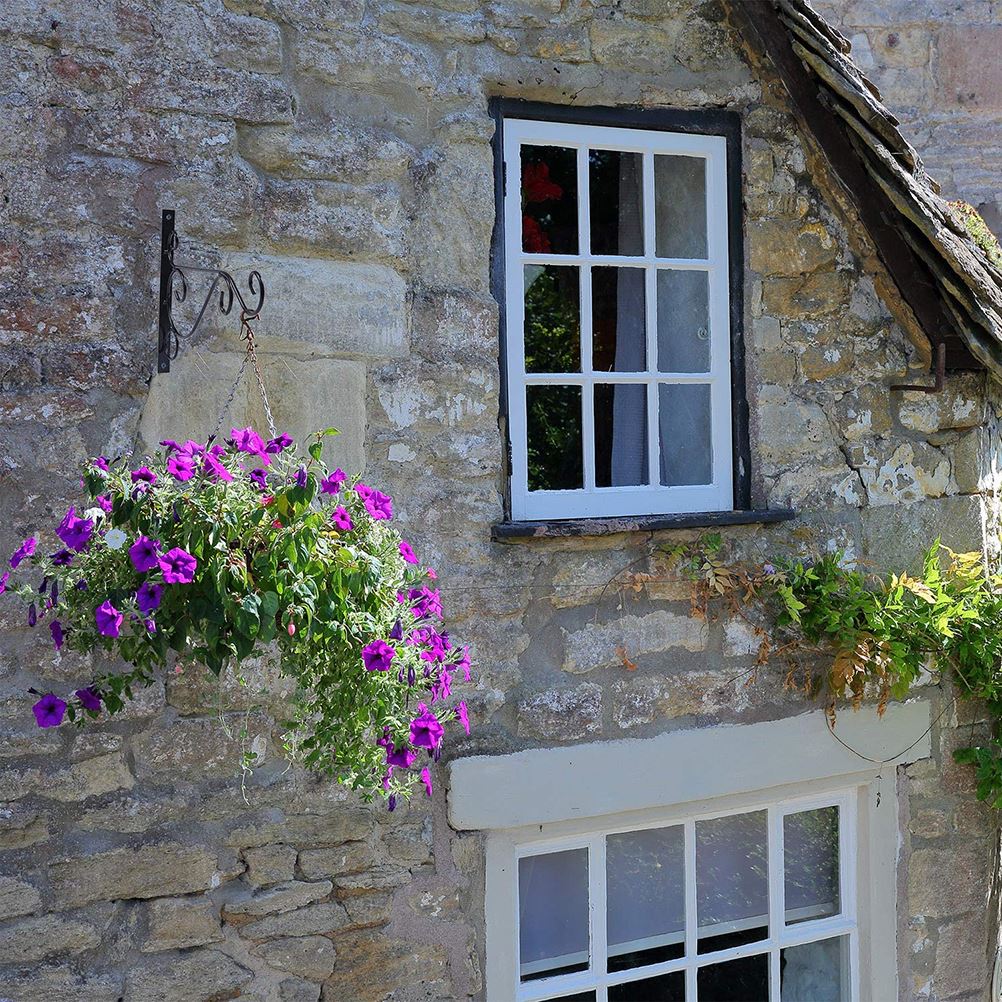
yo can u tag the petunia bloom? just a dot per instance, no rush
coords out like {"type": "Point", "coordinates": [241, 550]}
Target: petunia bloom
{"type": "Point", "coordinates": [181, 467]}
{"type": "Point", "coordinates": [108, 619]}
{"type": "Point", "coordinates": [379, 506]}
{"type": "Point", "coordinates": [249, 441]}
{"type": "Point", "coordinates": [342, 519]}
{"type": "Point", "coordinates": [301, 477]}
{"type": "Point", "coordinates": [426, 779]}
{"type": "Point", "coordinates": [26, 549]}
{"type": "Point", "coordinates": [463, 716]}
{"type": "Point", "coordinates": [259, 478]}
{"type": "Point", "coordinates": [101, 463]}
{"type": "Point", "coordinates": [215, 468]}
{"type": "Point", "coordinates": [178, 566]}
{"type": "Point", "coordinates": [426, 731]}
{"type": "Point", "coordinates": [148, 597]}
{"type": "Point", "coordinates": [144, 475]}
{"type": "Point", "coordinates": [400, 758]}
{"type": "Point", "coordinates": [56, 629]}
{"type": "Point", "coordinates": [406, 552]}
{"type": "Point", "coordinates": [49, 710]}
{"type": "Point", "coordinates": [425, 602]}
{"type": "Point", "coordinates": [4, 578]}
{"type": "Point", "coordinates": [332, 484]}
{"type": "Point", "coordinates": [276, 445]}
{"type": "Point", "coordinates": [378, 656]}
{"type": "Point", "coordinates": [75, 532]}
{"type": "Point", "coordinates": [363, 490]}
{"type": "Point", "coordinates": [32, 614]}
{"type": "Point", "coordinates": [61, 558]}
{"type": "Point", "coordinates": [144, 554]}
{"type": "Point", "coordinates": [115, 539]}
{"type": "Point", "coordinates": [89, 699]}
{"type": "Point", "coordinates": [104, 503]}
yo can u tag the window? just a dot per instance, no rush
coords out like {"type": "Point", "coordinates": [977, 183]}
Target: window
{"type": "Point", "coordinates": [617, 273]}
{"type": "Point", "coordinates": [756, 904]}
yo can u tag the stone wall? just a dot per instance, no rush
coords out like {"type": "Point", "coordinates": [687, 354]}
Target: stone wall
{"type": "Point", "coordinates": [345, 146]}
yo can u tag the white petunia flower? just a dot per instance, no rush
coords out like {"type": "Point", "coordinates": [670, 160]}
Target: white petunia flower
{"type": "Point", "coordinates": [115, 539]}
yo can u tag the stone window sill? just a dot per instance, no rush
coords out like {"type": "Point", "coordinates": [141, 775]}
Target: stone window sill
{"type": "Point", "coordinates": [513, 531]}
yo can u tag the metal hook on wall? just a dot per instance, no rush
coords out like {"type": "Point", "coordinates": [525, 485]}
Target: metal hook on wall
{"type": "Point", "coordinates": [940, 380]}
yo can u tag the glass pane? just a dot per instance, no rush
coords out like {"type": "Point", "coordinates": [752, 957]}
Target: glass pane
{"type": "Point", "coordinates": [680, 206]}
{"type": "Point", "coordinates": [619, 325]}
{"type": "Point", "coordinates": [553, 913]}
{"type": "Point", "coordinates": [552, 319]}
{"type": "Point", "coordinates": [553, 415]}
{"type": "Point", "coordinates": [815, 972]}
{"type": "Point", "coordinates": [745, 980]}
{"type": "Point", "coordinates": [686, 448]}
{"type": "Point", "coordinates": [549, 200]}
{"type": "Point", "coordinates": [620, 435]}
{"type": "Point", "coordinates": [582, 997]}
{"type": "Point", "coordinates": [732, 881]}
{"type": "Point", "coordinates": [667, 988]}
{"type": "Point", "coordinates": [683, 321]}
{"type": "Point", "coordinates": [810, 856]}
{"type": "Point", "coordinates": [616, 198]}
{"type": "Point", "coordinates": [646, 899]}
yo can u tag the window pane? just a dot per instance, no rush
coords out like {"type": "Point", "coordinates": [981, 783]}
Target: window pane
{"type": "Point", "coordinates": [552, 319]}
{"type": "Point", "coordinates": [745, 980]}
{"type": "Point", "coordinates": [553, 913]}
{"type": "Point", "coordinates": [619, 326]}
{"type": "Point", "coordinates": [810, 853]}
{"type": "Point", "coordinates": [667, 988]}
{"type": "Point", "coordinates": [549, 200]}
{"type": "Point", "coordinates": [582, 997]}
{"type": "Point", "coordinates": [815, 972]}
{"type": "Point", "coordinates": [616, 200]}
{"type": "Point", "coordinates": [683, 321]}
{"type": "Point", "coordinates": [553, 415]}
{"type": "Point", "coordinates": [620, 435]}
{"type": "Point", "coordinates": [680, 206]}
{"type": "Point", "coordinates": [686, 450]}
{"type": "Point", "coordinates": [646, 899]}
{"type": "Point", "coordinates": [732, 882]}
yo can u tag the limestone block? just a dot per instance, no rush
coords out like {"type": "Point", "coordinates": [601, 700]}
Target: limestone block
{"type": "Point", "coordinates": [198, 976]}
{"type": "Point", "coordinates": [298, 990]}
{"type": "Point", "coordinates": [46, 936]}
{"type": "Point", "coordinates": [319, 864]}
{"type": "Point", "coordinates": [372, 966]}
{"type": "Point", "coordinates": [947, 882]}
{"type": "Point", "coordinates": [280, 898]}
{"type": "Point", "coordinates": [179, 923]}
{"type": "Point", "coordinates": [790, 247]}
{"type": "Point", "coordinates": [561, 714]}
{"type": "Point", "coordinates": [963, 962]}
{"type": "Point", "coordinates": [305, 396]}
{"type": "Point", "coordinates": [633, 46]}
{"type": "Point", "coordinates": [863, 413]}
{"type": "Point", "coordinates": [791, 430]}
{"type": "Point", "coordinates": [311, 957]}
{"type": "Point", "coordinates": [50, 983]}
{"type": "Point", "coordinates": [90, 778]}
{"type": "Point", "coordinates": [17, 897]}
{"type": "Point", "coordinates": [338, 824]}
{"type": "Point", "coordinates": [959, 406]}
{"type": "Point", "coordinates": [270, 864]}
{"type": "Point", "coordinates": [318, 307]}
{"type": "Point", "coordinates": [643, 700]}
{"type": "Point", "coordinates": [200, 747]}
{"type": "Point", "coordinates": [595, 645]}
{"type": "Point", "coordinates": [378, 878]}
{"type": "Point", "coordinates": [21, 826]}
{"type": "Point", "coordinates": [969, 71]}
{"type": "Point", "coordinates": [149, 871]}
{"type": "Point", "coordinates": [822, 292]}
{"type": "Point", "coordinates": [313, 920]}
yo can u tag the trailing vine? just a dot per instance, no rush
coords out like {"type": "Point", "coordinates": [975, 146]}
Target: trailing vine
{"type": "Point", "coordinates": [880, 634]}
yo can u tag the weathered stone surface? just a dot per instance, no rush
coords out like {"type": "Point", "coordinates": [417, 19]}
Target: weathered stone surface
{"type": "Point", "coordinates": [270, 864]}
{"type": "Point", "coordinates": [48, 983]}
{"type": "Point", "coordinates": [595, 645]}
{"type": "Point", "coordinates": [561, 714]}
{"type": "Point", "coordinates": [90, 778]}
{"type": "Point", "coordinates": [17, 897]}
{"type": "Point", "coordinates": [963, 958]}
{"type": "Point", "coordinates": [313, 920]}
{"type": "Point", "coordinates": [198, 976]}
{"type": "Point", "coordinates": [320, 864]}
{"type": "Point", "coordinates": [31, 939]}
{"type": "Point", "coordinates": [785, 247]}
{"type": "Point", "coordinates": [149, 871]}
{"type": "Point", "coordinates": [947, 882]}
{"type": "Point", "coordinates": [298, 990]}
{"type": "Point", "coordinates": [643, 700]}
{"type": "Point", "coordinates": [179, 923]}
{"type": "Point", "coordinates": [311, 957]}
{"type": "Point", "coordinates": [911, 472]}
{"type": "Point", "coordinates": [342, 824]}
{"type": "Point", "coordinates": [959, 406]}
{"type": "Point", "coordinates": [280, 898]}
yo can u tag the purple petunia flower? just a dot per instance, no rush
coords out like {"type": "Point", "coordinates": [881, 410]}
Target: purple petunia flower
{"type": "Point", "coordinates": [426, 731]}
{"type": "Point", "coordinates": [768, 569]}
{"type": "Point", "coordinates": [170, 445]}
{"type": "Point", "coordinates": [32, 614]}
{"type": "Point", "coordinates": [379, 506]}
{"type": "Point", "coordinates": [61, 558]}
{"type": "Point", "coordinates": [425, 602]}
{"type": "Point", "coordinates": [178, 566]}
{"type": "Point", "coordinates": [332, 484]}
{"type": "Point", "coordinates": [108, 619]}
{"type": "Point", "coordinates": [463, 716]}
{"type": "Point", "coordinates": [215, 468]}
{"type": "Point", "coordinates": [101, 463]}
{"type": "Point", "coordinates": [181, 467]}
{"type": "Point", "coordinates": [397, 633]}
{"type": "Point", "coordinates": [104, 503]}
{"type": "Point", "coordinates": [75, 532]}
{"type": "Point", "coordinates": [148, 597]}
{"type": "Point", "coordinates": [49, 710]}
{"type": "Point", "coordinates": [89, 699]}
{"type": "Point", "coordinates": [406, 552]}
{"type": "Point", "coordinates": [301, 477]}
{"type": "Point", "coordinates": [249, 441]}
{"type": "Point", "coordinates": [56, 629]}
{"type": "Point", "coordinates": [342, 519]}
{"type": "Point", "coordinates": [378, 656]}
{"type": "Point", "coordinates": [144, 475]}
{"type": "Point", "coordinates": [400, 758]}
{"type": "Point", "coordinates": [259, 478]}
{"type": "Point", "coordinates": [143, 554]}
{"type": "Point", "coordinates": [26, 549]}
{"type": "Point", "coordinates": [426, 779]}
{"type": "Point", "coordinates": [276, 445]}
{"type": "Point", "coordinates": [4, 578]}
{"type": "Point", "coordinates": [363, 490]}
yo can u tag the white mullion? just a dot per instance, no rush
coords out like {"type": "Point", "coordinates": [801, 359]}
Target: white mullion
{"type": "Point", "coordinates": [585, 312]}
{"type": "Point", "coordinates": [776, 897]}
{"type": "Point", "coordinates": [620, 260]}
{"type": "Point", "coordinates": [598, 910]}
{"type": "Point", "coordinates": [577, 378]}
{"type": "Point", "coordinates": [691, 918]}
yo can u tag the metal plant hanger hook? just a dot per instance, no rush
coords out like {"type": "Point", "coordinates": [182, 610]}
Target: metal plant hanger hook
{"type": "Point", "coordinates": [175, 279]}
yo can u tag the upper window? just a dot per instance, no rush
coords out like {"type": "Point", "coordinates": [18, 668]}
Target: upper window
{"type": "Point", "coordinates": [617, 321]}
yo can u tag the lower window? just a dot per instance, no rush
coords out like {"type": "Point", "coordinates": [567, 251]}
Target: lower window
{"type": "Point", "coordinates": [751, 905]}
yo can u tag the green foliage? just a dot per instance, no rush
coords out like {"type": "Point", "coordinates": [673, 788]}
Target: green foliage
{"type": "Point", "coordinates": [979, 232]}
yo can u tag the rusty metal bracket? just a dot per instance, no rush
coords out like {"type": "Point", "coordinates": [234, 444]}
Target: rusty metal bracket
{"type": "Point", "coordinates": [174, 289]}
{"type": "Point", "coordinates": [937, 386]}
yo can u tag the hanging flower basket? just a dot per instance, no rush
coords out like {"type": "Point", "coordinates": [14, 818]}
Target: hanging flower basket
{"type": "Point", "coordinates": [215, 554]}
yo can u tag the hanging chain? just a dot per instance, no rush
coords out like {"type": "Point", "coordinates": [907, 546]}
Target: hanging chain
{"type": "Point", "coordinates": [250, 356]}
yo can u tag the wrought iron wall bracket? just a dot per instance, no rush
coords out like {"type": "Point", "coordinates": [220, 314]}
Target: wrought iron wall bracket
{"type": "Point", "coordinates": [174, 283]}
{"type": "Point", "coordinates": [940, 375]}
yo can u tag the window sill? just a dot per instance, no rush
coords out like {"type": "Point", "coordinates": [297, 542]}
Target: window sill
{"type": "Point", "coordinates": [507, 531]}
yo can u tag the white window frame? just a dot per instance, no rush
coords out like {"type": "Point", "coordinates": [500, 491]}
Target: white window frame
{"type": "Point", "coordinates": [593, 501]}
{"type": "Point", "coordinates": [781, 935]}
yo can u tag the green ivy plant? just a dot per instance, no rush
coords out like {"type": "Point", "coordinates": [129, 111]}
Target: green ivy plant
{"type": "Point", "coordinates": [212, 554]}
{"type": "Point", "coordinates": [883, 633]}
